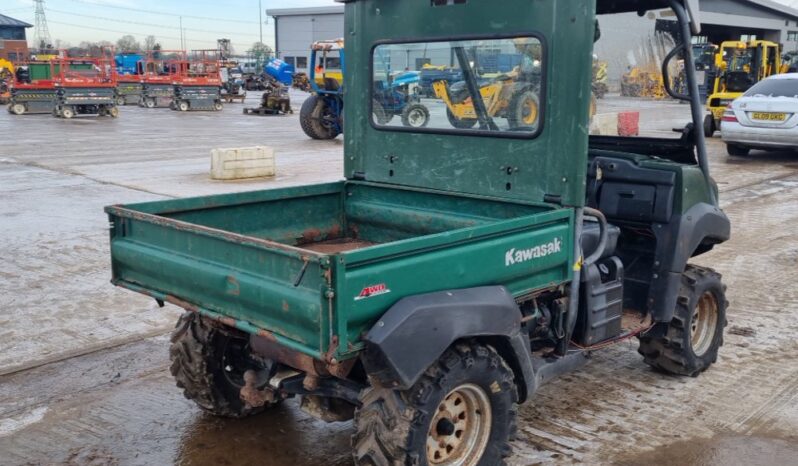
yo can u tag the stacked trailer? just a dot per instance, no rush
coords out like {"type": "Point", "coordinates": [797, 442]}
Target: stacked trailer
{"type": "Point", "coordinates": [163, 69]}
{"type": "Point", "coordinates": [86, 86]}
{"type": "Point", "coordinates": [201, 87]}
{"type": "Point", "coordinates": [32, 88]}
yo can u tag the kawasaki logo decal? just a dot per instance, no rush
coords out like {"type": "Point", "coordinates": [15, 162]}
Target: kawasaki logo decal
{"type": "Point", "coordinates": [517, 256]}
{"type": "Point", "coordinates": [372, 290]}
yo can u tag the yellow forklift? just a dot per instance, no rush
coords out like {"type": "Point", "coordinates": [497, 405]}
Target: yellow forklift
{"type": "Point", "coordinates": [738, 66]}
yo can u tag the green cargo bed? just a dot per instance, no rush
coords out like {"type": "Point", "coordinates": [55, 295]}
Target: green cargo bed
{"type": "Point", "coordinates": [315, 266]}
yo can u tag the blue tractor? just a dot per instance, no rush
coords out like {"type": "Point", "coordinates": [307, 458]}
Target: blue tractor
{"type": "Point", "coordinates": [322, 114]}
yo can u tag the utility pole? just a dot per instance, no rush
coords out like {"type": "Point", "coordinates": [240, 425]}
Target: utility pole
{"type": "Point", "coordinates": [260, 20]}
{"type": "Point", "coordinates": [41, 36]}
{"type": "Point", "coordinates": [182, 43]}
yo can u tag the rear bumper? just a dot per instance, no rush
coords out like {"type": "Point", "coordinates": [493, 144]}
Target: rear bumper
{"type": "Point", "coordinates": [775, 138]}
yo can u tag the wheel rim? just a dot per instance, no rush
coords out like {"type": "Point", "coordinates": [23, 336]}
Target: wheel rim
{"type": "Point", "coordinates": [530, 112]}
{"type": "Point", "coordinates": [704, 323]}
{"type": "Point", "coordinates": [416, 117]}
{"type": "Point", "coordinates": [460, 428]}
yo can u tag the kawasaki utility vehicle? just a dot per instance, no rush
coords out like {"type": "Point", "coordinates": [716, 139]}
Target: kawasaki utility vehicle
{"type": "Point", "coordinates": [454, 270]}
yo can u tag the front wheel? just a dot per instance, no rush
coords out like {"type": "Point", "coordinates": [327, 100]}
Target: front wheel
{"type": "Point", "coordinates": [120, 101]}
{"type": "Point", "coordinates": [217, 106]}
{"type": "Point", "coordinates": [67, 112]}
{"type": "Point", "coordinates": [689, 343]}
{"type": "Point", "coordinates": [462, 411]}
{"type": "Point", "coordinates": [182, 106]}
{"type": "Point", "coordinates": [113, 112]}
{"type": "Point", "coordinates": [415, 115]}
{"type": "Point", "coordinates": [460, 123]}
{"type": "Point", "coordinates": [17, 109]}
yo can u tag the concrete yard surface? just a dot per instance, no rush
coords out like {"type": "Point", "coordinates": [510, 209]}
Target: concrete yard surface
{"type": "Point", "coordinates": [84, 374]}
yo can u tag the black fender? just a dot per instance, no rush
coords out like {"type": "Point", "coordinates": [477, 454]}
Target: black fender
{"type": "Point", "coordinates": [417, 330]}
{"type": "Point", "coordinates": [689, 234]}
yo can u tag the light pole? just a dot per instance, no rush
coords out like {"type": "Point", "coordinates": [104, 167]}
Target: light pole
{"type": "Point", "coordinates": [260, 20]}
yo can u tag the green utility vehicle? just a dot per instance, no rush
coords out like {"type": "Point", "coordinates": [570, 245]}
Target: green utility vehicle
{"type": "Point", "coordinates": [455, 269]}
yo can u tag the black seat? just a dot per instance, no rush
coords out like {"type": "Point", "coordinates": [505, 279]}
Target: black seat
{"type": "Point", "coordinates": [590, 238]}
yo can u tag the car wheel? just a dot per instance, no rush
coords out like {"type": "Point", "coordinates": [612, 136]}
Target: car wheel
{"type": "Point", "coordinates": [709, 126]}
{"type": "Point", "coordinates": [737, 151]}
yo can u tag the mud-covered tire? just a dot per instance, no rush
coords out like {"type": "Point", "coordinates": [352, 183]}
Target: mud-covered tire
{"type": "Point", "coordinates": [199, 363]}
{"type": "Point", "coordinates": [737, 151]}
{"type": "Point", "coordinates": [681, 347]}
{"type": "Point", "coordinates": [392, 426]}
{"type": "Point", "coordinates": [709, 126]}
{"type": "Point", "coordinates": [310, 119]}
{"type": "Point", "coordinates": [415, 115]}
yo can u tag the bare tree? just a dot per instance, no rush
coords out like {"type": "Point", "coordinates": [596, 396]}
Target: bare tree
{"type": "Point", "coordinates": [128, 43]}
{"type": "Point", "coordinates": [150, 42]}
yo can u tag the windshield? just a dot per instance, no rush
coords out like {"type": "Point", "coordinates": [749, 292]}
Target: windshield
{"type": "Point", "coordinates": [774, 88]}
{"type": "Point", "coordinates": [485, 85]}
{"type": "Point", "coordinates": [629, 97]}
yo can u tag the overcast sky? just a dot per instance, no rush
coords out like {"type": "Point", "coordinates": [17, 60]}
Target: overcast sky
{"type": "Point", "coordinates": [204, 21]}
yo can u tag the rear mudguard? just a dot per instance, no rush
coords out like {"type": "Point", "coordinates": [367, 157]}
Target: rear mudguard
{"type": "Point", "coordinates": [417, 330]}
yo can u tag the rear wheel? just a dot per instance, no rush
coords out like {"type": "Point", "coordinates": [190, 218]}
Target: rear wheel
{"type": "Point", "coordinates": [461, 412]}
{"type": "Point", "coordinates": [689, 344]}
{"type": "Point", "coordinates": [17, 109]}
{"type": "Point", "coordinates": [464, 123]}
{"type": "Point", "coordinates": [217, 106]}
{"type": "Point", "coordinates": [113, 112]}
{"type": "Point", "coordinates": [709, 126]}
{"type": "Point", "coordinates": [415, 116]}
{"type": "Point", "coordinates": [312, 118]}
{"type": "Point", "coordinates": [67, 112]}
{"type": "Point", "coordinates": [737, 151]}
{"type": "Point", "coordinates": [120, 101]}
{"type": "Point", "coordinates": [381, 115]}
{"type": "Point", "coordinates": [149, 103]}
{"type": "Point", "coordinates": [209, 363]}
{"type": "Point", "coordinates": [182, 106]}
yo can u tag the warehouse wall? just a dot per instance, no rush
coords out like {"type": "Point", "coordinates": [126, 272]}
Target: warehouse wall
{"type": "Point", "coordinates": [295, 34]}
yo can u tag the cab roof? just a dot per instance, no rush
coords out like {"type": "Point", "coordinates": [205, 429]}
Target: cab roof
{"type": "Point", "coordinates": [610, 6]}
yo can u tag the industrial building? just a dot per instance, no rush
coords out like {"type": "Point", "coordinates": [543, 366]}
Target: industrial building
{"type": "Point", "coordinates": [297, 28]}
{"type": "Point", "coordinates": [13, 41]}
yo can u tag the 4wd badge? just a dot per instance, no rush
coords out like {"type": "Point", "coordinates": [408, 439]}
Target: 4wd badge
{"type": "Point", "coordinates": [372, 290]}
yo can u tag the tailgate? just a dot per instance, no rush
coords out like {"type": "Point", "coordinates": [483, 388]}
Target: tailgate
{"type": "Point", "coordinates": [259, 283]}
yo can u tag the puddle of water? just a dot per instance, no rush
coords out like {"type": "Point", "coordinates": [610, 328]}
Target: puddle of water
{"type": "Point", "coordinates": [724, 450]}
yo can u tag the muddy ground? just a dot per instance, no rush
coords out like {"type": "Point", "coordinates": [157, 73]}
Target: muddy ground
{"type": "Point", "coordinates": [85, 366]}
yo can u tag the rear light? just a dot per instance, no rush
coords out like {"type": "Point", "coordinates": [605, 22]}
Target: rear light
{"type": "Point", "coordinates": [728, 115]}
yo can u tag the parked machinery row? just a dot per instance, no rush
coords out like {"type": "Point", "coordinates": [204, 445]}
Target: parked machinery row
{"type": "Point", "coordinates": [67, 86]}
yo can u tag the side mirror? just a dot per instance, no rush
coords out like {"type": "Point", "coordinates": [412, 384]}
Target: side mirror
{"type": "Point", "coordinates": [695, 16]}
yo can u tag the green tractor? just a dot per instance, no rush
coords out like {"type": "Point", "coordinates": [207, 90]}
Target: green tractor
{"type": "Point", "coordinates": [454, 270]}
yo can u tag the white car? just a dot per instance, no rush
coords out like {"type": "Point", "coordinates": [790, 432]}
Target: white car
{"type": "Point", "coordinates": [765, 117]}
